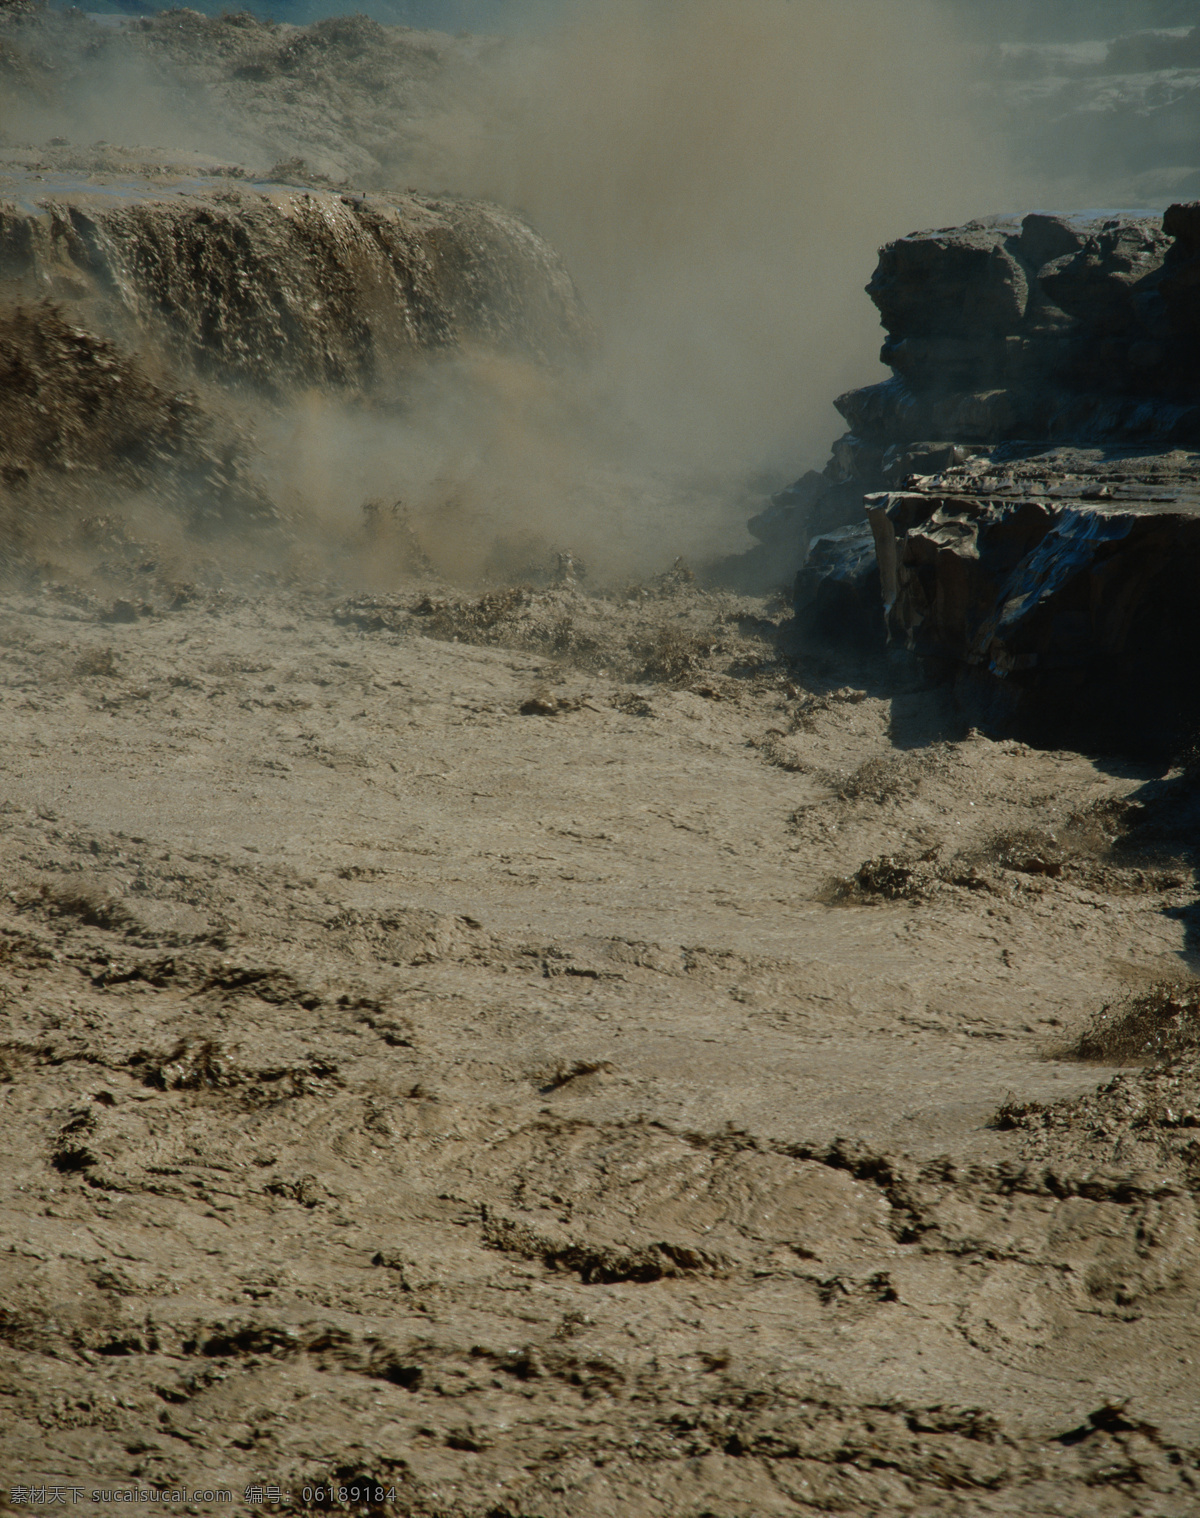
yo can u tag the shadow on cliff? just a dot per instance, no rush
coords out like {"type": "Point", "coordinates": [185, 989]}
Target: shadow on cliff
{"type": "Point", "coordinates": [1169, 821]}
{"type": "Point", "coordinates": [1159, 829]}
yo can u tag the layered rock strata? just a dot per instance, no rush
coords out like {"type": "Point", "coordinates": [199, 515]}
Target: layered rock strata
{"type": "Point", "coordinates": [146, 323]}
{"type": "Point", "coordinates": [1042, 331]}
{"type": "Point", "coordinates": [288, 288]}
{"type": "Point", "coordinates": [1050, 329]}
{"type": "Point", "coordinates": [1057, 591]}
{"type": "Point", "coordinates": [1029, 474]}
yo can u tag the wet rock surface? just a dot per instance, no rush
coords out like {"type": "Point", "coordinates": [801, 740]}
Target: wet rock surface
{"type": "Point", "coordinates": [280, 288]}
{"type": "Point", "coordinates": [158, 333]}
{"type": "Point", "coordinates": [1056, 590]}
{"type": "Point", "coordinates": [168, 316]}
{"type": "Point", "coordinates": [838, 590]}
{"type": "Point", "coordinates": [75, 407]}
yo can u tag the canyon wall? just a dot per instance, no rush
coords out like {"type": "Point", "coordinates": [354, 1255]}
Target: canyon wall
{"type": "Point", "coordinates": [286, 288]}
{"type": "Point", "coordinates": [153, 325]}
{"type": "Point", "coordinates": [1030, 475]}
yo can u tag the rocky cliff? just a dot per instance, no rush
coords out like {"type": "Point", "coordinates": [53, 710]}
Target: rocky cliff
{"type": "Point", "coordinates": [1049, 329]}
{"type": "Point", "coordinates": [1023, 333]}
{"type": "Point", "coordinates": [1057, 591]}
{"type": "Point", "coordinates": [286, 287]}
{"type": "Point", "coordinates": [1030, 473]}
{"type": "Point", "coordinates": [140, 313]}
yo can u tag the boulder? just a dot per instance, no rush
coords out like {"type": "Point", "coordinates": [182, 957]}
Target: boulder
{"type": "Point", "coordinates": [956, 282]}
{"type": "Point", "coordinates": [1046, 236]}
{"type": "Point", "coordinates": [1099, 283]}
{"type": "Point", "coordinates": [885, 412]}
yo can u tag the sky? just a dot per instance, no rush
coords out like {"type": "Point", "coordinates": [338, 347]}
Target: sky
{"type": "Point", "coordinates": [993, 20]}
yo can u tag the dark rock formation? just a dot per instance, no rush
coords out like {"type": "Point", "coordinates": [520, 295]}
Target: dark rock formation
{"type": "Point", "coordinates": [1038, 533]}
{"type": "Point", "coordinates": [1053, 329]}
{"type": "Point", "coordinates": [817, 503]}
{"type": "Point", "coordinates": [1058, 593]}
{"type": "Point", "coordinates": [838, 590]}
{"type": "Point", "coordinates": [1043, 330]}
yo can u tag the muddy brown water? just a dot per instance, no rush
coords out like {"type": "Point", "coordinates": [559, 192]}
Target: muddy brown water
{"type": "Point", "coordinates": [485, 1101]}
{"type": "Point", "coordinates": [545, 1054]}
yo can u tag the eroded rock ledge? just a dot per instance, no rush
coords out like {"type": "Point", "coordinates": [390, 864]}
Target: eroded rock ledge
{"type": "Point", "coordinates": [285, 287]}
{"type": "Point", "coordinates": [1029, 475]}
{"type": "Point", "coordinates": [144, 318]}
{"type": "Point", "coordinates": [1058, 591]}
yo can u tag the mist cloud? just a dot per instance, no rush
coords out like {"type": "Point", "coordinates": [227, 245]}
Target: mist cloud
{"type": "Point", "coordinates": [718, 177]}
